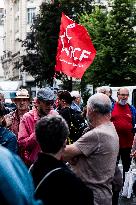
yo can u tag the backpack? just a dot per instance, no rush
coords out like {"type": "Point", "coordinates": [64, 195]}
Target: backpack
{"type": "Point", "coordinates": [77, 125]}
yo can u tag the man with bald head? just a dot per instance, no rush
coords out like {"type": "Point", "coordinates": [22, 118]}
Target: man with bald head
{"type": "Point", "coordinates": [124, 119]}
{"type": "Point", "coordinates": [96, 151]}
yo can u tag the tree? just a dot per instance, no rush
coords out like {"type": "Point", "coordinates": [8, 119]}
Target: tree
{"type": "Point", "coordinates": [41, 43]}
{"type": "Point", "coordinates": [122, 41]}
{"type": "Point", "coordinates": [96, 24]}
{"type": "Point", "coordinates": [113, 36]}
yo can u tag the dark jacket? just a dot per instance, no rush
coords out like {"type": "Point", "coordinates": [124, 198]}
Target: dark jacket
{"type": "Point", "coordinates": [76, 122]}
{"type": "Point", "coordinates": [117, 183]}
{"type": "Point", "coordinates": [61, 187]}
{"type": "Point", "coordinates": [8, 139]}
{"type": "Point", "coordinates": [6, 110]}
{"type": "Point", "coordinates": [133, 111]}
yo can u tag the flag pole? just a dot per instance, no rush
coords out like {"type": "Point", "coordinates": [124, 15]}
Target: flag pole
{"type": "Point", "coordinates": [71, 83]}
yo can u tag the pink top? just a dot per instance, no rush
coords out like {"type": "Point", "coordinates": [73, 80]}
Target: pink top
{"type": "Point", "coordinates": [28, 145]}
{"type": "Point", "coordinates": [16, 121]}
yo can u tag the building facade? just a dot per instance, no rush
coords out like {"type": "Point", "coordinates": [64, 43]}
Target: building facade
{"type": "Point", "coordinates": [18, 18]}
{"type": "Point", "coordinates": [1, 36]}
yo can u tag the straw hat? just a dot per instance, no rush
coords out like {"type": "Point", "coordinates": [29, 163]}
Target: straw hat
{"type": "Point", "coordinates": [22, 93]}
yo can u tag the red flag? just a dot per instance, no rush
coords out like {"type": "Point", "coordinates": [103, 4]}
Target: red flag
{"type": "Point", "coordinates": [75, 50]}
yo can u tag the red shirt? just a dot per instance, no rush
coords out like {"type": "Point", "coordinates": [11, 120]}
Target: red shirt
{"type": "Point", "coordinates": [122, 119]}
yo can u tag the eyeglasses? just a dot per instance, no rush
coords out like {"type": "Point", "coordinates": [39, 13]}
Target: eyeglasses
{"type": "Point", "coordinates": [123, 95]}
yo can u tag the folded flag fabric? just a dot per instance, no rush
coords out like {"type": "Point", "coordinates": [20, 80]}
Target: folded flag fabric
{"type": "Point", "coordinates": [75, 50]}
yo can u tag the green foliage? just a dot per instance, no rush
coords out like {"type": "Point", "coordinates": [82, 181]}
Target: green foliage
{"type": "Point", "coordinates": [41, 43]}
{"type": "Point", "coordinates": [114, 39]}
{"type": "Point", "coordinates": [96, 24]}
{"type": "Point", "coordinates": [123, 40]}
{"type": "Point", "coordinates": [112, 34]}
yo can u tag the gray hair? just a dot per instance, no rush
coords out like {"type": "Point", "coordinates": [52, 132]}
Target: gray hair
{"type": "Point", "coordinates": [100, 103]}
{"type": "Point", "coordinates": [107, 88]}
{"type": "Point", "coordinates": [100, 90]}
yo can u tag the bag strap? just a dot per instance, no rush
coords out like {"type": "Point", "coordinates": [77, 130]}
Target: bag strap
{"type": "Point", "coordinates": [30, 168]}
{"type": "Point", "coordinates": [45, 177]}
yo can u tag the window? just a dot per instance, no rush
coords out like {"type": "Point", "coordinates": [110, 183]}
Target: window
{"type": "Point", "coordinates": [30, 15]}
{"type": "Point", "coordinates": [1, 16]}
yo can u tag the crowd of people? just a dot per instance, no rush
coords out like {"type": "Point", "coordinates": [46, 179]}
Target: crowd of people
{"type": "Point", "coordinates": [57, 151]}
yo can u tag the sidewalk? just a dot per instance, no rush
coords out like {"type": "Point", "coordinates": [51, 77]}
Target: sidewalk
{"type": "Point", "coordinates": [124, 201]}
